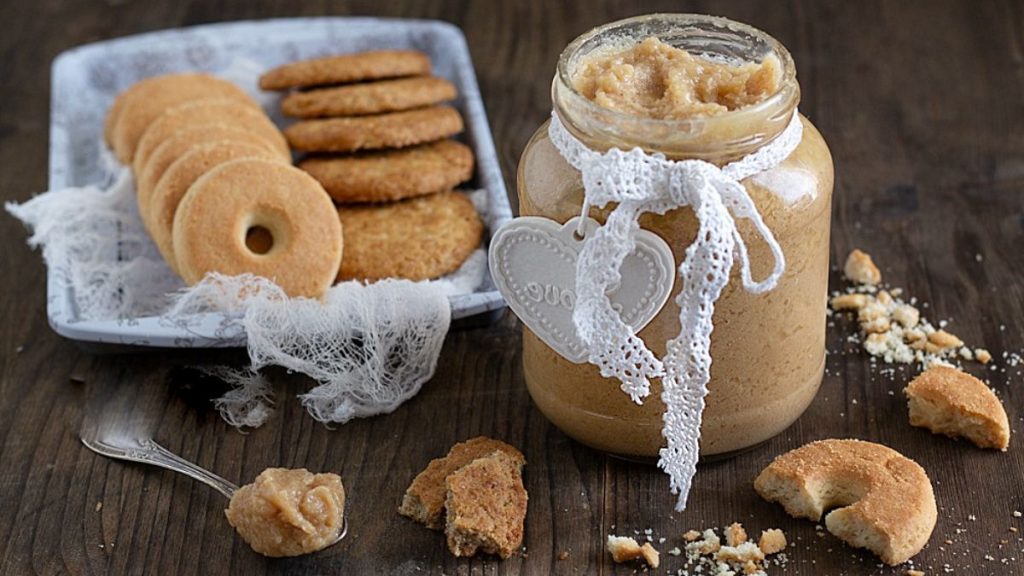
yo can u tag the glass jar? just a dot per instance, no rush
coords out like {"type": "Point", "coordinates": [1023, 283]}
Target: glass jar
{"type": "Point", "coordinates": [768, 350]}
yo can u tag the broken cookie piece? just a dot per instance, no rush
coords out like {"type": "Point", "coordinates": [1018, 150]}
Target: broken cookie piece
{"type": "Point", "coordinates": [624, 549]}
{"type": "Point", "coordinates": [948, 401]}
{"type": "Point", "coordinates": [486, 506]}
{"type": "Point", "coordinates": [425, 497]}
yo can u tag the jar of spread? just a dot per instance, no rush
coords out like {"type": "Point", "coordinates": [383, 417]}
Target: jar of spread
{"type": "Point", "coordinates": [706, 88]}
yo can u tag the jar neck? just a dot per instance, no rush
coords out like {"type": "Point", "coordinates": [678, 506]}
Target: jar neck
{"type": "Point", "coordinates": [720, 138]}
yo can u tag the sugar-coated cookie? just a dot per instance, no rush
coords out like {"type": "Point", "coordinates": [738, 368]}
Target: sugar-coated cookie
{"type": "Point", "coordinates": [415, 239]}
{"type": "Point", "coordinates": [393, 174]}
{"type": "Point", "coordinates": [393, 130]}
{"type": "Point", "coordinates": [230, 207]}
{"type": "Point", "coordinates": [369, 98]}
{"type": "Point", "coordinates": [346, 68]}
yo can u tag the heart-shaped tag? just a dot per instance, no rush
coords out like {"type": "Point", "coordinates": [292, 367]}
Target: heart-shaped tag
{"type": "Point", "coordinates": [533, 263]}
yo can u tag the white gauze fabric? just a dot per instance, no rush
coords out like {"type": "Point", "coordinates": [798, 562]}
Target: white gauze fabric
{"type": "Point", "coordinates": [639, 182]}
{"type": "Point", "coordinates": [369, 347]}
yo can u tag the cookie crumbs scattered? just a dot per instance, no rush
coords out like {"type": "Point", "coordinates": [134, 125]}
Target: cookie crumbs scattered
{"type": "Point", "coordinates": [893, 329]}
{"type": "Point", "coordinates": [740, 556]}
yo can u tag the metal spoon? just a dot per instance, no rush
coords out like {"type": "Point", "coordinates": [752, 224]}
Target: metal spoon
{"type": "Point", "coordinates": [147, 451]}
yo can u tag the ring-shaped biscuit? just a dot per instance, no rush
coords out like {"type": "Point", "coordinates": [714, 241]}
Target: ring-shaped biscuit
{"type": "Point", "coordinates": [140, 104]}
{"type": "Point", "coordinates": [882, 500]}
{"type": "Point", "coordinates": [179, 177]}
{"type": "Point", "coordinates": [206, 111]}
{"type": "Point", "coordinates": [260, 217]}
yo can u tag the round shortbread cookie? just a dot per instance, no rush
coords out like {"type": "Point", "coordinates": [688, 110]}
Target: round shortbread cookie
{"type": "Point", "coordinates": [393, 130]}
{"type": "Point", "coordinates": [181, 174]}
{"type": "Point", "coordinates": [181, 141]}
{"type": "Point", "coordinates": [141, 103]}
{"type": "Point", "coordinates": [206, 111]}
{"type": "Point", "coordinates": [369, 98]}
{"type": "Point", "coordinates": [251, 198]}
{"type": "Point", "coordinates": [415, 239]}
{"type": "Point", "coordinates": [346, 68]}
{"type": "Point", "coordinates": [879, 499]}
{"type": "Point", "coordinates": [393, 174]}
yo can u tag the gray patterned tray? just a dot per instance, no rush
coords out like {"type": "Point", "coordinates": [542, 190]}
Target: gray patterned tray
{"type": "Point", "coordinates": [86, 80]}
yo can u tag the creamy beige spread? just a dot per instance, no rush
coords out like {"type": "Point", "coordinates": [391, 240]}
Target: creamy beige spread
{"type": "Point", "coordinates": [289, 512]}
{"type": "Point", "coordinates": [655, 80]}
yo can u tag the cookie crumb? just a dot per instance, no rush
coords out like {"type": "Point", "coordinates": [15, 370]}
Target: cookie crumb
{"type": "Point", "coordinates": [912, 572]}
{"type": "Point", "coordinates": [691, 535]}
{"type": "Point", "coordinates": [772, 540]}
{"type": "Point", "coordinates": [982, 355]}
{"type": "Point", "coordinates": [735, 534]}
{"type": "Point", "coordinates": [564, 555]}
{"type": "Point", "coordinates": [99, 506]}
{"type": "Point", "coordinates": [861, 269]}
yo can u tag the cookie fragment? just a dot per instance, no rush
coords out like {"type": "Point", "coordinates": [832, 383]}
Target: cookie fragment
{"type": "Point", "coordinates": [948, 401]}
{"type": "Point", "coordinates": [861, 269]}
{"type": "Point", "coordinates": [486, 506]}
{"type": "Point", "coordinates": [424, 500]}
{"type": "Point", "coordinates": [393, 174]}
{"type": "Point", "coordinates": [416, 239]}
{"type": "Point", "coordinates": [369, 98]}
{"type": "Point", "coordinates": [392, 130]}
{"type": "Point", "coordinates": [624, 549]}
{"type": "Point", "coordinates": [346, 68]}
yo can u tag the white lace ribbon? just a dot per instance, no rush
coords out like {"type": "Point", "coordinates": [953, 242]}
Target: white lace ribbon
{"type": "Point", "coordinates": [640, 182]}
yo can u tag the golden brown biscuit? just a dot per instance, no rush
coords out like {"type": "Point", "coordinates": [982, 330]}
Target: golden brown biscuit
{"type": "Point", "coordinates": [948, 401]}
{"type": "Point", "coordinates": [181, 141]}
{"type": "Point", "coordinates": [202, 112]}
{"type": "Point", "coordinates": [485, 507]}
{"type": "Point", "coordinates": [424, 499]}
{"type": "Point", "coordinates": [346, 68]}
{"type": "Point", "coordinates": [415, 239]}
{"type": "Point", "coordinates": [393, 174]}
{"type": "Point", "coordinates": [883, 501]}
{"type": "Point", "coordinates": [251, 197]}
{"type": "Point", "coordinates": [370, 98]}
{"type": "Point", "coordinates": [181, 174]}
{"type": "Point", "coordinates": [393, 130]}
{"type": "Point", "coordinates": [140, 104]}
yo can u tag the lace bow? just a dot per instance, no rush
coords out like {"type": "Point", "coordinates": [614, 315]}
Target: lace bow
{"type": "Point", "coordinates": [639, 182]}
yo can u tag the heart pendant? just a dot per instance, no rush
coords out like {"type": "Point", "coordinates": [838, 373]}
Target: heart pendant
{"type": "Point", "coordinates": [533, 263]}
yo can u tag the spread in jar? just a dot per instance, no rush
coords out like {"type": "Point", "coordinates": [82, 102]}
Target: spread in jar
{"type": "Point", "coordinates": [692, 87]}
{"type": "Point", "coordinates": [289, 512]}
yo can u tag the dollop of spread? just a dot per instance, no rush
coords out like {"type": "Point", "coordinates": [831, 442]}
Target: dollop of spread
{"type": "Point", "coordinates": [655, 80]}
{"type": "Point", "coordinates": [289, 512]}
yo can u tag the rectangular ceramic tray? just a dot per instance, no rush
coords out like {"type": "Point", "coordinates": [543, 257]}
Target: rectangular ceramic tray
{"type": "Point", "coordinates": [87, 78]}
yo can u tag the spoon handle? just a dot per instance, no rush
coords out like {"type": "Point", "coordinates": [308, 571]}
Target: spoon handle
{"type": "Point", "coordinates": [146, 451]}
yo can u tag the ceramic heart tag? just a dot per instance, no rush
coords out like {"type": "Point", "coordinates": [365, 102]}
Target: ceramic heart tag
{"type": "Point", "coordinates": [533, 262]}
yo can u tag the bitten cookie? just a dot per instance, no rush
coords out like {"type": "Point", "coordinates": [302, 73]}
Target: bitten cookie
{"type": "Point", "coordinates": [140, 104]}
{"type": "Point", "coordinates": [202, 112]}
{"type": "Point", "coordinates": [346, 68]}
{"type": "Point", "coordinates": [393, 174]}
{"type": "Point", "coordinates": [260, 198]}
{"type": "Point", "coordinates": [181, 174]}
{"type": "Point", "coordinates": [370, 98]}
{"type": "Point", "coordinates": [948, 401]}
{"type": "Point", "coordinates": [883, 501]}
{"type": "Point", "coordinates": [415, 239]}
{"type": "Point", "coordinates": [486, 506]}
{"type": "Point", "coordinates": [425, 498]}
{"type": "Point", "coordinates": [393, 130]}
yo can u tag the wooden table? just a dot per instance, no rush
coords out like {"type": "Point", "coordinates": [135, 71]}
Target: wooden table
{"type": "Point", "coordinates": [922, 104]}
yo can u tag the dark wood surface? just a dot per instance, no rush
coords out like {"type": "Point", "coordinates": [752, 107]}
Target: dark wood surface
{"type": "Point", "coordinates": [922, 104]}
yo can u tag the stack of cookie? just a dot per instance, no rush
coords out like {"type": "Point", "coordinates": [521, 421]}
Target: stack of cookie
{"type": "Point", "coordinates": [379, 141]}
{"type": "Point", "coordinates": [216, 188]}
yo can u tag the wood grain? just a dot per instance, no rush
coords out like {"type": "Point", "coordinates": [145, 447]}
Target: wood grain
{"type": "Point", "coordinates": [921, 103]}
